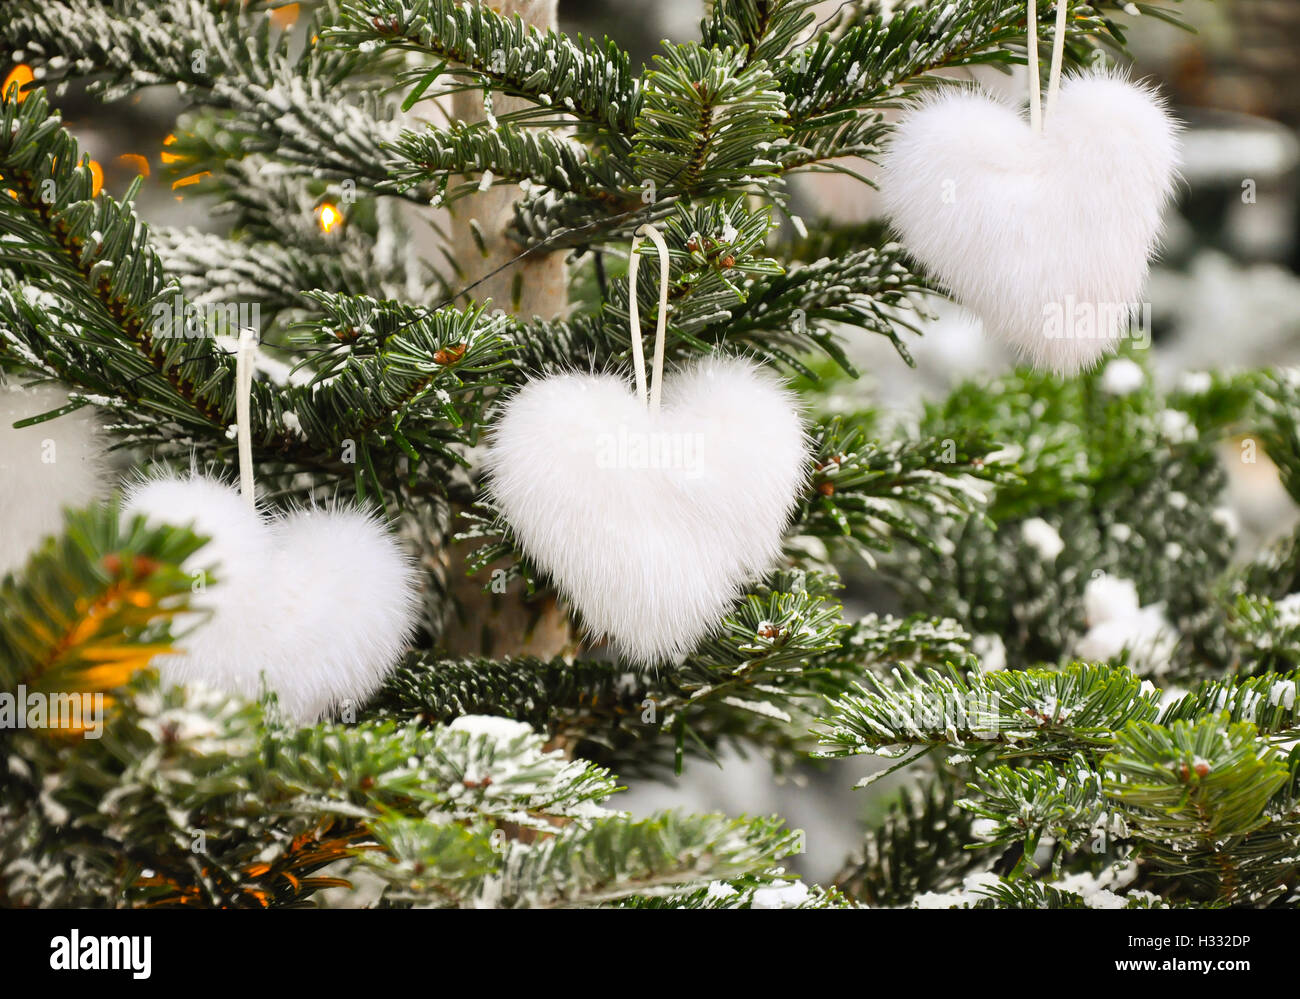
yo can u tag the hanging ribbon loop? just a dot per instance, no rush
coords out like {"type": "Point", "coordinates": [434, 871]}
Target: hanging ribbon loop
{"type": "Point", "coordinates": [1058, 56]}
{"type": "Point", "coordinates": [1035, 81]}
{"type": "Point", "coordinates": [1036, 112]}
{"type": "Point", "coordinates": [652, 397]}
{"type": "Point", "coordinates": [243, 411]}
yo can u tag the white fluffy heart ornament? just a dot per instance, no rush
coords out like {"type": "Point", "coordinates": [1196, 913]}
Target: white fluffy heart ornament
{"type": "Point", "coordinates": [1045, 235]}
{"type": "Point", "coordinates": [316, 605]}
{"type": "Point", "coordinates": [651, 522]}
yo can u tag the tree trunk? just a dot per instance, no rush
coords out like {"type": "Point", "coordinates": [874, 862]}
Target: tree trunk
{"type": "Point", "coordinates": [501, 624]}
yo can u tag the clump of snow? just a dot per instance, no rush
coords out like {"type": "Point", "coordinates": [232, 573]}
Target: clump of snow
{"type": "Point", "coordinates": [1227, 518]}
{"type": "Point", "coordinates": [787, 896]}
{"type": "Point", "coordinates": [1117, 623]}
{"type": "Point", "coordinates": [1288, 610]}
{"type": "Point", "coordinates": [974, 888]}
{"type": "Point", "coordinates": [1177, 425]}
{"type": "Point", "coordinates": [1042, 537]}
{"type": "Point", "coordinates": [501, 729]}
{"type": "Point", "coordinates": [720, 889]}
{"type": "Point", "coordinates": [990, 651]}
{"type": "Point", "coordinates": [1195, 382]}
{"type": "Point", "coordinates": [1282, 692]}
{"type": "Point", "coordinates": [1122, 376]}
{"type": "Point", "coordinates": [1108, 597]}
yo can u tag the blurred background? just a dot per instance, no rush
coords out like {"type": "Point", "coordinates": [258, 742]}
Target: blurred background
{"type": "Point", "coordinates": [1225, 292]}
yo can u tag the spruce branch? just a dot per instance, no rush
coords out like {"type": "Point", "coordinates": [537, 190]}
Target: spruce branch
{"type": "Point", "coordinates": [763, 29]}
{"type": "Point", "coordinates": [226, 59]}
{"type": "Point", "coordinates": [1195, 793]}
{"type": "Point", "coordinates": [705, 119]}
{"type": "Point", "coordinates": [921, 845]}
{"type": "Point", "coordinates": [863, 492]}
{"type": "Point", "coordinates": [586, 79]}
{"type": "Point", "coordinates": [1061, 805]}
{"type": "Point", "coordinates": [94, 604]}
{"type": "Point", "coordinates": [94, 255]}
{"type": "Point", "coordinates": [1040, 712]}
{"type": "Point", "coordinates": [505, 154]}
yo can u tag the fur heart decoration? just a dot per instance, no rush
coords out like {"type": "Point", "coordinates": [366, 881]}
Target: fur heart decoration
{"type": "Point", "coordinates": [649, 522]}
{"type": "Point", "coordinates": [320, 602]}
{"type": "Point", "coordinates": [1046, 236]}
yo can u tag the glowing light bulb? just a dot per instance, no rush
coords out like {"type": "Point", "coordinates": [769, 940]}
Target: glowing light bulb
{"type": "Point", "coordinates": [328, 216]}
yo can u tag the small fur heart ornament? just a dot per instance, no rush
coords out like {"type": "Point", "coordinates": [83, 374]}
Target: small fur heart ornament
{"type": "Point", "coordinates": [650, 523]}
{"type": "Point", "coordinates": [1045, 235]}
{"type": "Point", "coordinates": [650, 509]}
{"type": "Point", "coordinates": [320, 602]}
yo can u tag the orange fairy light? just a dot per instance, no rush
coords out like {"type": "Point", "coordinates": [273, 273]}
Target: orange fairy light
{"type": "Point", "coordinates": [167, 157]}
{"type": "Point", "coordinates": [286, 16]}
{"type": "Point", "coordinates": [328, 216]}
{"type": "Point", "coordinates": [97, 177]}
{"type": "Point", "coordinates": [137, 161]}
{"type": "Point", "coordinates": [21, 75]}
{"type": "Point", "coordinates": [190, 180]}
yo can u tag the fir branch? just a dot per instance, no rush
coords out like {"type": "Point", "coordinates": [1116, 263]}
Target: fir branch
{"type": "Point", "coordinates": [94, 604]}
{"type": "Point", "coordinates": [763, 29]}
{"type": "Point", "coordinates": [1194, 793]}
{"type": "Point", "coordinates": [1057, 804]}
{"type": "Point", "coordinates": [871, 289]}
{"type": "Point", "coordinates": [1123, 479]}
{"type": "Point", "coordinates": [590, 80]}
{"type": "Point", "coordinates": [920, 846]}
{"type": "Point", "coordinates": [726, 289]}
{"type": "Point", "coordinates": [1267, 701]}
{"type": "Point", "coordinates": [501, 155]}
{"type": "Point", "coordinates": [766, 891]}
{"type": "Point", "coordinates": [839, 83]}
{"type": "Point", "coordinates": [864, 491]}
{"type": "Point", "coordinates": [1038, 712]}
{"type": "Point", "coordinates": [1004, 894]}
{"type": "Point", "coordinates": [226, 59]}
{"type": "Point", "coordinates": [1276, 404]}
{"type": "Point", "coordinates": [608, 860]}
{"type": "Point", "coordinates": [215, 270]}
{"type": "Point", "coordinates": [705, 119]}
{"type": "Point", "coordinates": [755, 682]}
{"type": "Point", "coordinates": [96, 257]}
